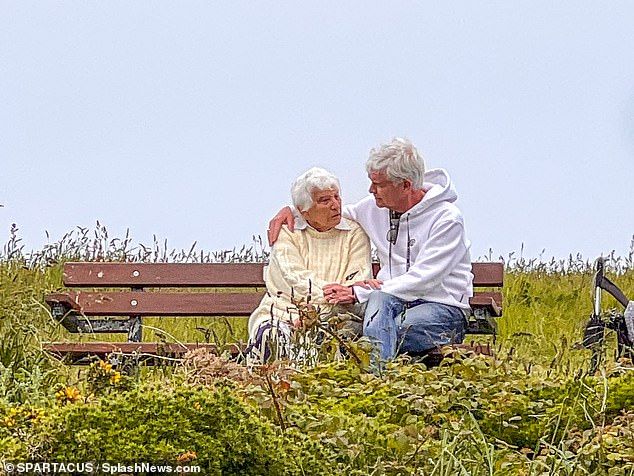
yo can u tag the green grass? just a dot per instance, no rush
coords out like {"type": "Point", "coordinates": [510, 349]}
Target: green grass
{"type": "Point", "coordinates": [532, 410]}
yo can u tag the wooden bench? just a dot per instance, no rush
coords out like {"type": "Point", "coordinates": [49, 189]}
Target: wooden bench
{"type": "Point", "coordinates": [100, 304]}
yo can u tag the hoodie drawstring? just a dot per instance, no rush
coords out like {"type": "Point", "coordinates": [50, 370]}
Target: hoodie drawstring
{"type": "Point", "coordinates": [409, 244]}
{"type": "Point", "coordinates": [393, 216]}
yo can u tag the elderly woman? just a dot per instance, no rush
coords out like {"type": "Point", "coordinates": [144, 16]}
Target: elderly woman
{"type": "Point", "coordinates": [324, 249]}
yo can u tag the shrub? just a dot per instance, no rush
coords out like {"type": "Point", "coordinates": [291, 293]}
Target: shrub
{"type": "Point", "coordinates": [161, 425]}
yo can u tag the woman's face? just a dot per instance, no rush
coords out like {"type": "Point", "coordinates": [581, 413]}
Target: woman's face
{"type": "Point", "coordinates": [325, 213]}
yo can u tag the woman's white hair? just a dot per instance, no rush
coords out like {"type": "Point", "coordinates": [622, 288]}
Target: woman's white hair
{"type": "Point", "coordinates": [311, 180]}
{"type": "Point", "coordinates": [400, 161]}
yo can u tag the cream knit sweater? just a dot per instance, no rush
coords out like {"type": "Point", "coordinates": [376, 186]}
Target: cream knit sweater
{"type": "Point", "coordinates": [306, 260]}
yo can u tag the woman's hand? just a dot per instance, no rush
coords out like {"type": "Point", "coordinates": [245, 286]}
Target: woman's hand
{"type": "Point", "coordinates": [339, 294]}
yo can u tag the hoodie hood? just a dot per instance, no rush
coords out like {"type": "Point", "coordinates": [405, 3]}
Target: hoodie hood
{"type": "Point", "coordinates": [438, 188]}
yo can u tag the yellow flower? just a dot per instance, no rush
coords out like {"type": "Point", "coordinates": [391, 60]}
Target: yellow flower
{"type": "Point", "coordinates": [72, 393]}
{"type": "Point", "coordinates": [37, 415]}
{"type": "Point", "coordinates": [8, 422]}
{"type": "Point", "coordinates": [105, 366]}
{"type": "Point", "coordinates": [115, 379]}
{"type": "Point", "coordinates": [68, 395]}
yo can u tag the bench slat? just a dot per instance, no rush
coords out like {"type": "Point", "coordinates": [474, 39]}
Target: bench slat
{"type": "Point", "coordinates": [124, 347]}
{"type": "Point", "coordinates": [489, 300]}
{"type": "Point", "coordinates": [488, 274]}
{"type": "Point", "coordinates": [163, 275]}
{"type": "Point", "coordinates": [194, 304]}
{"type": "Point", "coordinates": [158, 303]}
{"type": "Point", "coordinates": [485, 275]}
{"type": "Point", "coordinates": [77, 351]}
{"type": "Point", "coordinates": [208, 274]}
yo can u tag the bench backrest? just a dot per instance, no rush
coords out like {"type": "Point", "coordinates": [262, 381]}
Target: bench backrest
{"type": "Point", "coordinates": [191, 275]}
{"type": "Point", "coordinates": [139, 277]}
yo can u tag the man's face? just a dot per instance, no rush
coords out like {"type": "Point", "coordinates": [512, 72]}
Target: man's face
{"type": "Point", "coordinates": [386, 193]}
{"type": "Point", "coordinates": [325, 213]}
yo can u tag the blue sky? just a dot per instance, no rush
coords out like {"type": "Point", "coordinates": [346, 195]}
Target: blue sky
{"type": "Point", "coordinates": [189, 120]}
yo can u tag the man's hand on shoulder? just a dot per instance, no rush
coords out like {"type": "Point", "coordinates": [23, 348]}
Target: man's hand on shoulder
{"type": "Point", "coordinates": [284, 217]}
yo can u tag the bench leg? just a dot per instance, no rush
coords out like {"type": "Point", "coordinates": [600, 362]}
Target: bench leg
{"type": "Point", "coordinates": [135, 329]}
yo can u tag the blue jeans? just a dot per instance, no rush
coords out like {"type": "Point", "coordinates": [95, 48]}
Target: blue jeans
{"type": "Point", "coordinates": [396, 326]}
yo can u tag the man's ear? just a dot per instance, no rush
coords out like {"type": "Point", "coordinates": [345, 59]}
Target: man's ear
{"type": "Point", "coordinates": [407, 184]}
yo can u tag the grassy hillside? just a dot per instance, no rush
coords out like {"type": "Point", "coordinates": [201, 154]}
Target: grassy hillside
{"type": "Point", "coordinates": [533, 409]}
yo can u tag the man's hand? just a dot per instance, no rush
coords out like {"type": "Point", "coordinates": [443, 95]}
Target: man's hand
{"type": "Point", "coordinates": [369, 283]}
{"type": "Point", "coordinates": [339, 294]}
{"type": "Point", "coordinates": [284, 216]}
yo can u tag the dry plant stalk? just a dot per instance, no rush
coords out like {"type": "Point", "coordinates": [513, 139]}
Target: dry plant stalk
{"type": "Point", "coordinates": [312, 321]}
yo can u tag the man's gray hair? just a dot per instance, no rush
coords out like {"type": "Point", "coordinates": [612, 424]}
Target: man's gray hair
{"type": "Point", "coordinates": [400, 160]}
{"type": "Point", "coordinates": [311, 180]}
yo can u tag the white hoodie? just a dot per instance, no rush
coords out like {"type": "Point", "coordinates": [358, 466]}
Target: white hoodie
{"type": "Point", "coordinates": [440, 263]}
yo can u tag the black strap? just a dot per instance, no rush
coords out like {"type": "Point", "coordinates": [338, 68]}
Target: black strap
{"type": "Point", "coordinates": [607, 285]}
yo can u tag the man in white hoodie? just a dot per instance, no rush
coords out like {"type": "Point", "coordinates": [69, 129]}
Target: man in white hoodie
{"type": "Point", "coordinates": [420, 298]}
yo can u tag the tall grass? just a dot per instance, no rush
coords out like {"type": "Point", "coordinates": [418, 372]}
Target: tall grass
{"type": "Point", "coordinates": [24, 324]}
{"type": "Point", "coordinates": [546, 303]}
{"type": "Point", "coordinates": [84, 244]}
